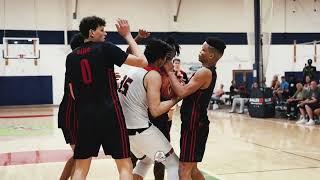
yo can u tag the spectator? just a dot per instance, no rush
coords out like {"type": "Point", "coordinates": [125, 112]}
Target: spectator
{"type": "Point", "coordinates": [282, 92]}
{"type": "Point", "coordinates": [179, 72]}
{"type": "Point", "coordinates": [275, 84]}
{"type": "Point", "coordinates": [309, 70]}
{"type": "Point", "coordinates": [233, 91]}
{"type": "Point", "coordinates": [293, 101]}
{"type": "Point", "coordinates": [292, 85]}
{"type": "Point", "coordinates": [307, 82]}
{"type": "Point", "coordinates": [244, 98]}
{"type": "Point", "coordinates": [218, 94]}
{"type": "Point", "coordinates": [309, 105]}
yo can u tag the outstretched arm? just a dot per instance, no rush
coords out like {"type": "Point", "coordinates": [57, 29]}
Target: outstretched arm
{"type": "Point", "coordinates": [137, 58]}
{"type": "Point", "coordinates": [142, 34]}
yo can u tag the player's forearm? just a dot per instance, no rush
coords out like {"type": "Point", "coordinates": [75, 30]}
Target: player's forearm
{"type": "Point", "coordinates": [162, 107]}
{"type": "Point", "coordinates": [137, 39]}
{"type": "Point", "coordinates": [176, 85]}
{"type": "Point", "coordinates": [133, 46]}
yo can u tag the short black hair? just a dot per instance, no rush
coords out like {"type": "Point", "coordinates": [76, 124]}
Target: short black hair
{"type": "Point", "coordinates": [156, 49]}
{"type": "Point", "coordinates": [76, 41]}
{"type": "Point", "coordinates": [90, 22]}
{"type": "Point", "coordinates": [216, 43]}
{"type": "Point", "coordinates": [176, 59]}
{"type": "Point", "coordinates": [172, 42]}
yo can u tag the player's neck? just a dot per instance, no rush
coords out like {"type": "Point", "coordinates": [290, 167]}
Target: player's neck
{"type": "Point", "coordinates": [209, 64]}
{"type": "Point", "coordinates": [89, 40]}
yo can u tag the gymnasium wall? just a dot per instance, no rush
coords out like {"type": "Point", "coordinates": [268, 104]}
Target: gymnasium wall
{"type": "Point", "coordinates": [229, 19]}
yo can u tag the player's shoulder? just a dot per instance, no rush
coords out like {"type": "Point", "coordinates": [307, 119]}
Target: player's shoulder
{"type": "Point", "coordinates": [71, 55]}
{"type": "Point", "coordinates": [203, 71]}
{"type": "Point", "coordinates": [153, 75]}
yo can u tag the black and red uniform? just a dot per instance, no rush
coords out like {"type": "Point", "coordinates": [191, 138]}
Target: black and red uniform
{"type": "Point", "coordinates": [98, 118]}
{"type": "Point", "coordinates": [66, 116]}
{"type": "Point", "coordinates": [195, 122]}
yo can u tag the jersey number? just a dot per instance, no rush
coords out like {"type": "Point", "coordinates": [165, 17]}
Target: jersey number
{"type": "Point", "coordinates": [86, 71]}
{"type": "Point", "coordinates": [124, 85]}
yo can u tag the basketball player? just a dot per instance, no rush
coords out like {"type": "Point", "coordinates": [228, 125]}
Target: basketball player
{"type": "Point", "coordinates": [66, 112]}
{"type": "Point", "coordinates": [98, 114]}
{"type": "Point", "coordinates": [139, 92]}
{"type": "Point", "coordinates": [164, 121]}
{"type": "Point", "coordinates": [196, 96]}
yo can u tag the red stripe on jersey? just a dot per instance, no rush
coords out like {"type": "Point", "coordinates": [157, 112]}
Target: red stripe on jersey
{"type": "Point", "coordinates": [194, 119]}
{"type": "Point", "coordinates": [191, 134]}
{"type": "Point", "coordinates": [67, 117]}
{"type": "Point", "coordinates": [122, 120]}
{"type": "Point", "coordinates": [113, 95]}
{"type": "Point", "coordinates": [184, 140]}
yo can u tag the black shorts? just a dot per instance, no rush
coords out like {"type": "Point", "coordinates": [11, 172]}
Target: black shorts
{"type": "Point", "coordinates": [314, 106]}
{"type": "Point", "coordinates": [66, 114]}
{"type": "Point", "coordinates": [193, 137]}
{"type": "Point", "coordinates": [98, 127]}
{"type": "Point", "coordinates": [69, 136]}
{"type": "Point", "coordinates": [193, 143]}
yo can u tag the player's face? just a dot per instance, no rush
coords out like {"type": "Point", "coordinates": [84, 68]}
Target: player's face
{"type": "Point", "coordinates": [205, 55]}
{"type": "Point", "coordinates": [98, 35]}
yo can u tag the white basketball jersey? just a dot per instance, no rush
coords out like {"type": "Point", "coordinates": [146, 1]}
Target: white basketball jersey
{"type": "Point", "coordinates": [133, 99]}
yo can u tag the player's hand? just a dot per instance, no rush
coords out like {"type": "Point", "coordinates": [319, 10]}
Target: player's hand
{"type": "Point", "coordinates": [123, 28]}
{"type": "Point", "coordinates": [168, 67]}
{"type": "Point", "coordinates": [143, 34]}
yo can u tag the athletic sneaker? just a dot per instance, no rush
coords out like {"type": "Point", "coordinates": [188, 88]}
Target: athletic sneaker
{"type": "Point", "coordinates": [302, 121]}
{"type": "Point", "coordinates": [310, 123]}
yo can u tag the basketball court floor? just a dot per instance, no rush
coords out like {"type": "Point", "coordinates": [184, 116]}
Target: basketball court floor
{"type": "Point", "coordinates": [239, 148]}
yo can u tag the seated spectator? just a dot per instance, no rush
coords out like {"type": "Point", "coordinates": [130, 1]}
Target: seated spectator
{"type": "Point", "coordinates": [292, 85]}
{"type": "Point", "coordinates": [307, 82]}
{"type": "Point", "coordinates": [275, 84]}
{"type": "Point", "coordinates": [282, 92]}
{"type": "Point", "coordinates": [233, 91]}
{"type": "Point", "coordinates": [309, 105]}
{"type": "Point", "coordinates": [217, 94]}
{"type": "Point", "coordinates": [244, 98]}
{"type": "Point", "coordinates": [293, 101]}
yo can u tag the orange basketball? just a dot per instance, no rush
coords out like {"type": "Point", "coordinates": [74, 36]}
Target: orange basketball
{"type": "Point", "coordinates": [166, 91]}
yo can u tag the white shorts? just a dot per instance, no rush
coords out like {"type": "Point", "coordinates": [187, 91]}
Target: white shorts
{"type": "Point", "coordinates": [150, 142]}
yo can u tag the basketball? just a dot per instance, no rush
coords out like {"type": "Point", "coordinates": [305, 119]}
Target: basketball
{"type": "Point", "coordinates": [166, 91]}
